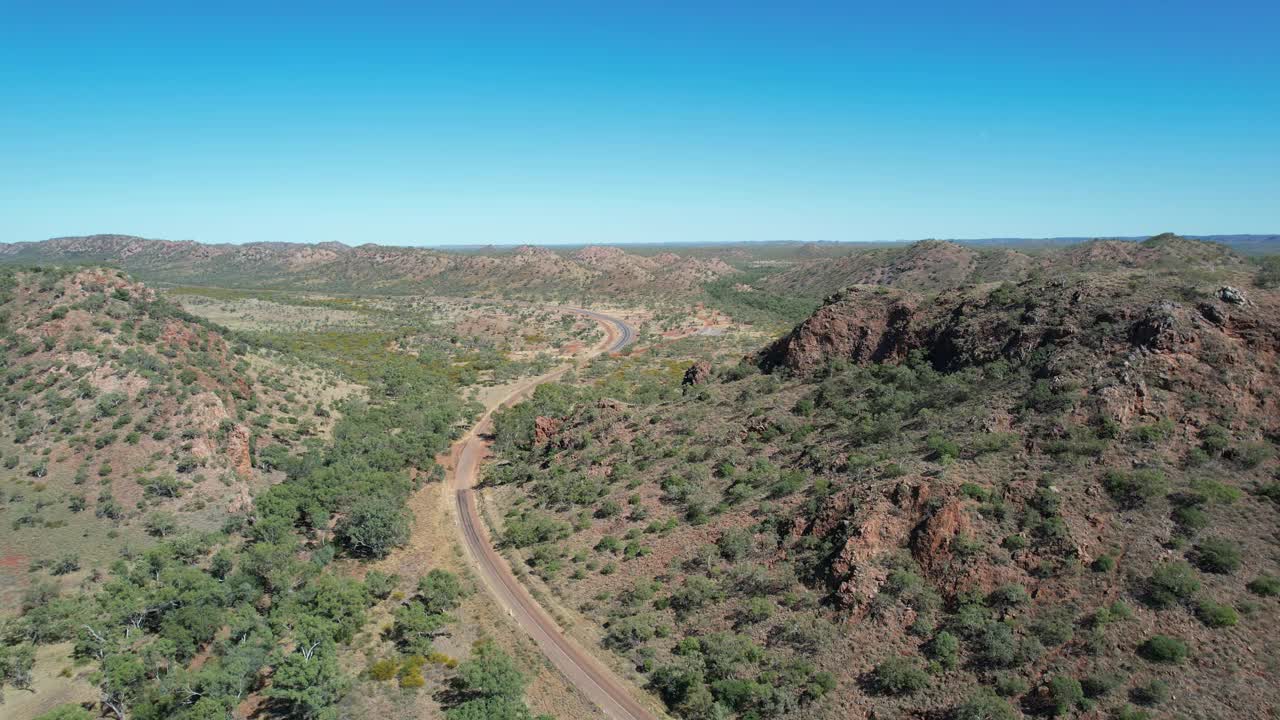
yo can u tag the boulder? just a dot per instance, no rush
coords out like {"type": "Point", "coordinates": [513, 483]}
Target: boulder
{"type": "Point", "coordinates": [1231, 295]}
{"type": "Point", "coordinates": [544, 428]}
{"type": "Point", "coordinates": [697, 374]}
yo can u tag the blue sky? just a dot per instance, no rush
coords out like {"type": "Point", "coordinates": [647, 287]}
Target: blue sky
{"type": "Point", "coordinates": [619, 122]}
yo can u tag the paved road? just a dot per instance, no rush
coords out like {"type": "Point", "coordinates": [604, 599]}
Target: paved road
{"type": "Point", "coordinates": [610, 693]}
{"type": "Point", "coordinates": [622, 333]}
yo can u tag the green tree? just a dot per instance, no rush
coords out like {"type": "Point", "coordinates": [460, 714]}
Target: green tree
{"type": "Point", "coordinates": [490, 673]}
{"type": "Point", "coordinates": [985, 705]}
{"type": "Point", "coordinates": [414, 628]}
{"type": "Point", "coordinates": [15, 666]}
{"type": "Point", "coordinates": [374, 526]}
{"type": "Point", "coordinates": [1163, 649]}
{"type": "Point", "coordinates": [945, 650]}
{"type": "Point", "coordinates": [122, 682]}
{"type": "Point", "coordinates": [491, 687]}
{"type": "Point", "coordinates": [1064, 694]}
{"type": "Point", "coordinates": [899, 676]}
{"type": "Point", "coordinates": [342, 601]}
{"type": "Point", "coordinates": [309, 680]}
{"type": "Point", "coordinates": [440, 590]}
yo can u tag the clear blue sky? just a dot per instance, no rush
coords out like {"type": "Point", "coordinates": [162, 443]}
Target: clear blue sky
{"type": "Point", "coordinates": [637, 121]}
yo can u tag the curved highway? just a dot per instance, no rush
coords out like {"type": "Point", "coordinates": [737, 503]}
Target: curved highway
{"type": "Point", "coordinates": [622, 333]}
{"type": "Point", "coordinates": [610, 693]}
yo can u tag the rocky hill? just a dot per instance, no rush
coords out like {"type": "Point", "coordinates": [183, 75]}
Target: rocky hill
{"type": "Point", "coordinates": [934, 266]}
{"type": "Point", "coordinates": [926, 265]}
{"type": "Point", "coordinates": [124, 416]}
{"type": "Point", "coordinates": [1050, 497]}
{"type": "Point", "coordinates": [522, 272]}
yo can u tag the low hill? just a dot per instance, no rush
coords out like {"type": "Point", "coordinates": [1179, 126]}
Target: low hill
{"type": "Point", "coordinates": [926, 265]}
{"type": "Point", "coordinates": [524, 271]}
{"type": "Point", "coordinates": [124, 416]}
{"type": "Point", "coordinates": [934, 265]}
{"type": "Point", "coordinates": [191, 522]}
{"type": "Point", "coordinates": [1035, 498]}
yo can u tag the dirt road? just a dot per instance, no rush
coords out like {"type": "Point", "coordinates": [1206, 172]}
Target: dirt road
{"type": "Point", "coordinates": [612, 695]}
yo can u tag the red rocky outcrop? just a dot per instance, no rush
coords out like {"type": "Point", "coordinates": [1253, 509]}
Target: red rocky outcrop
{"type": "Point", "coordinates": [858, 324]}
{"type": "Point", "coordinates": [544, 428]}
{"type": "Point", "coordinates": [697, 374]}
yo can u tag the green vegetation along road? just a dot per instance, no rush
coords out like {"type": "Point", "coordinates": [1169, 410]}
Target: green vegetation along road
{"type": "Point", "coordinates": [601, 686]}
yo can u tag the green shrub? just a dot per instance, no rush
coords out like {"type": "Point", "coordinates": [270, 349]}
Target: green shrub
{"type": "Point", "coordinates": [945, 650]}
{"type": "Point", "coordinates": [942, 448]}
{"type": "Point", "coordinates": [1265, 586]}
{"type": "Point", "coordinates": [734, 544]}
{"type": "Point", "coordinates": [1163, 649]}
{"type": "Point", "coordinates": [609, 543]}
{"type": "Point", "coordinates": [1215, 615]}
{"type": "Point", "coordinates": [757, 610]}
{"type": "Point", "coordinates": [1171, 583]}
{"type": "Point", "coordinates": [985, 705]}
{"type": "Point", "coordinates": [1216, 492]}
{"type": "Point", "coordinates": [373, 526]}
{"type": "Point", "coordinates": [1217, 555]}
{"type": "Point", "coordinates": [899, 676]}
{"type": "Point", "coordinates": [66, 564]}
{"type": "Point", "coordinates": [997, 646]}
{"type": "Point", "coordinates": [694, 593]}
{"type": "Point", "coordinates": [1133, 489]}
{"type": "Point", "coordinates": [1103, 563]}
{"type": "Point", "coordinates": [789, 482]}
{"type": "Point", "coordinates": [440, 591]}
{"type": "Point", "coordinates": [1063, 694]}
{"type": "Point", "coordinates": [1054, 627]}
{"type": "Point", "coordinates": [383, 670]}
{"type": "Point", "coordinates": [1214, 439]}
{"type": "Point", "coordinates": [1154, 432]}
{"type": "Point", "coordinates": [1100, 684]}
{"type": "Point", "coordinates": [1014, 543]}
{"type": "Point", "coordinates": [1010, 685]}
{"type": "Point", "coordinates": [1249, 456]}
{"type": "Point", "coordinates": [1151, 693]}
{"type": "Point", "coordinates": [380, 584]}
{"type": "Point", "coordinates": [1270, 491]}
{"type": "Point", "coordinates": [1190, 519]}
{"type": "Point", "coordinates": [1008, 596]}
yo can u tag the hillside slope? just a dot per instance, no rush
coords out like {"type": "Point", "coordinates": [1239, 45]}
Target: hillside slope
{"type": "Point", "coordinates": [123, 416]}
{"type": "Point", "coordinates": [191, 527]}
{"type": "Point", "coordinates": [524, 271]}
{"type": "Point", "coordinates": [934, 265]}
{"type": "Point", "coordinates": [1040, 498]}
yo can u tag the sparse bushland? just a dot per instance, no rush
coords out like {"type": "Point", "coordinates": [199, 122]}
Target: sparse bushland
{"type": "Point", "coordinates": [999, 495]}
{"type": "Point", "coordinates": [1042, 496]}
{"type": "Point", "coordinates": [189, 619]}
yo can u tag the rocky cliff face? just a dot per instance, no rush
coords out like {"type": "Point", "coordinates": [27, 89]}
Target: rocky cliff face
{"type": "Point", "coordinates": [1099, 317]}
{"type": "Point", "coordinates": [862, 325]}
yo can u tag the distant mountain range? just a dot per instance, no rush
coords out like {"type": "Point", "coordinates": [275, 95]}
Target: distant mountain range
{"type": "Point", "coordinates": [1248, 244]}
{"type": "Point", "coordinates": [809, 268]}
{"type": "Point", "coordinates": [520, 271]}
